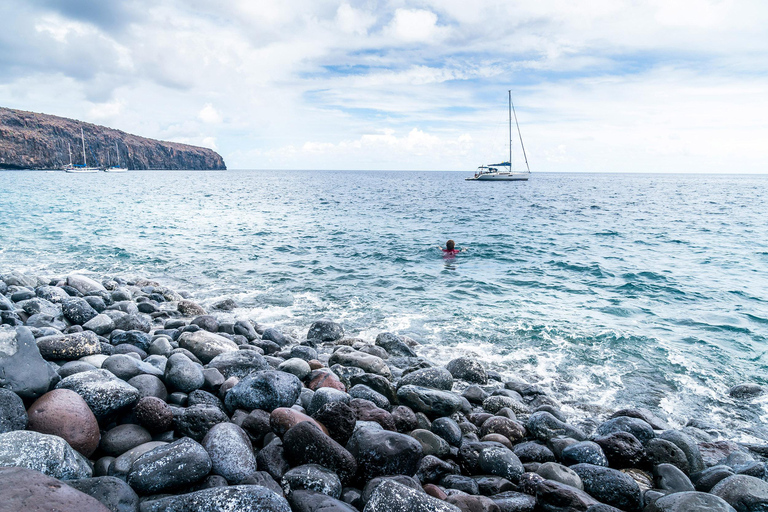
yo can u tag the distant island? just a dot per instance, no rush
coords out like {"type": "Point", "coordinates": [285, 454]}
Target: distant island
{"type": "Point", "coordinates": [29, 140]}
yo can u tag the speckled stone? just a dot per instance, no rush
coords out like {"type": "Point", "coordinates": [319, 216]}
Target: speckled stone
{"type": "Point", "coordinates": [230, 451]}
{"type": "Point", "coordinates": [104, 393]}
{"type": "Point", "coordinates": [169, 467]}
{"type": "Point", "coordinates": [42, 452]}
{"type": "Point", "coordinates": [12, 413]}
{"type": "Point", "coordinates": [237, 498]}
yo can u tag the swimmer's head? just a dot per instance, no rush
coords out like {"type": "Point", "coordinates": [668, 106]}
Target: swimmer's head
{"type": "Point", "coordinates": [450, 245]}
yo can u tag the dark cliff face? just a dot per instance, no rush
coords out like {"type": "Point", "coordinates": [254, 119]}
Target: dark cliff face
{"type": "Point", "coordinates": [40, 141]}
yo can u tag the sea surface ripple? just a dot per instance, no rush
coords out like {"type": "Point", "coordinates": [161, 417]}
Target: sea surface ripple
{"type": "Point", "coordinates": [609, 290]}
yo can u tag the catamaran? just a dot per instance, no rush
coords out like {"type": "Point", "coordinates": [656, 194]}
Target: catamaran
{"type": "Point", "coordinates": [80, 168]}
{"type": "Point", "coordinates": [503, 171]}
{"type": "Point", "coordinates": [116, 168]}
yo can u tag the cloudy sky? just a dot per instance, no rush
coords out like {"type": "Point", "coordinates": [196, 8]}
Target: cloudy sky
{"type": "Point", "coordinates": [599, 85]}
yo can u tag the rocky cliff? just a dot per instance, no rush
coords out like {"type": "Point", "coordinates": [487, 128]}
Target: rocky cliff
{"type": "Point", "coordinates": [40, 141]}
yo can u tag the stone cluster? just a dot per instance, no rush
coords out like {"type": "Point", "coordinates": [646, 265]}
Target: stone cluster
{"type": "Point", "coordinates": [127, 396]}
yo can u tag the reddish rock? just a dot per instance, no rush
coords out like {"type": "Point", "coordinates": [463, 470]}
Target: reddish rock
{"type": "Point", "coordinates": [32, 491]}
{"type": "Point", "coordinates": [283, 418]}
{"type": "Point", "coordinates": [508, 428]}
{"type": "Point", "coordinates": [435, 491]}
{"type": "Point", "coordinates": [499, 439]}
{"type": "Point", "coordinates": [324, 379]}
{"type": "Point", "coordinates": [314, 364]}
{"type": "Point", "coordinates": [365, 410]}
{"type": "Point", "coordinates": [64, 413]}
{"type": "Point", "coordinates": [153, 414]}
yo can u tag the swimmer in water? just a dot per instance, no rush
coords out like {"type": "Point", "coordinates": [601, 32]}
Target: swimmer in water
{"type": "Point", "coordinates": [450, 249]}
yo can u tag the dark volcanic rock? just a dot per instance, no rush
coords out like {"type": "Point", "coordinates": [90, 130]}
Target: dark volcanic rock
{"type": "Point", "coordinates": [311, 501]}
{"type": "Point", "coordinates": [545, 426]}
{"type": "Point", "coordinates": [621, 449]}
{"type": "Point", "coordinates": [744, 493]}
{"type": "Point", "coordinates": [610, 486]}
{"type": "Point", "coordinates": [438, 378]}
{"type": "Point", "coordinates": [104, 393]}
{"type": "Point", "coordinates": [584, 452]}
{"type": "Point", "coordinates": [468, 369]}
{"type": "Point", "coordinates": [265, 390]}
{"type": "Point", "coordinates": [110, 491]}
{"type": "Point", "coordinates": [391, 496]}
{"type": "Point", "coordinates": [39, 141]}
{"type": "Point", "coordinates": [512, 501]}
{"type": "Point", "coordinates": [637, 427]}
{"type": "Point", "coordinates": [231, 452]}
{"type": "Point", "coordinates": [42, 452]}
{"type": "Point", "coordinates": [394, 345]}
{"type": "Point", "coordinates": [31, 491]}
{"type": "Point", "coordinates": [307, 444]}
{"type": "Point", "coordinates": [153, 414]}
{"type": "Point", "coordinates": [122, 438]}
{"type": "Point", "coordinates": [238, 498]}
{"type": "Point", "coordinates": [197, 420]}
{"type": "Point", "coordinates": [22, 368]}
{"type": "Point", "coordinates": [182, 374]}
{"type": "Point", "coordinates": [381, 453]}
{"type": "Point", "coordinates": [339, 418]}
{"type": "Point", "coordinates": [556, 497]}
{"type": "Point", "coordinates": [501, 462]}
{"type": "Point", "coordinates": [169, 467]}
{"type": "Point", "coordinates": [77, 310]}
{"type": "Point", "coordinates": [312, 477]}
{"type": "Point", "coordinates": [271, 459]}
{"type": "Point", "coordinates": [325, 330]}
{"type": "Point", "coordinates": [12, 413]}
{"type": "Point", "coordinates": [69, 346]}
{"type": "Point", "coordinates": [239, 364]}
{"type": "Point", "coordinates": [690, 502]}
{"type": "Point", "coordinates": [432, 402]}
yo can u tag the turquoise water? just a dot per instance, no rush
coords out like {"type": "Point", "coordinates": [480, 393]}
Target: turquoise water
{"type": "Point", "coordinates": [608, 290]}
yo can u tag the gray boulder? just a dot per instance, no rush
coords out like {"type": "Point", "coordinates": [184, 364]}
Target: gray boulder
{"type": "Point", "coordinates": [168, 467]}
{"type": "Point", "coordinates": [312, 477]}
{"type": "Point", "coordinates": [239, 364]}
{"type": "Point", "coordinates": [689, 502]}
{"type": "Point", "coordinates": [432, 402]}
{"type": "Point", "coordinates": [265, 390]}
{"type": "Point", "coordinates": [744, 493]}
{"type": "Point", "coordinates": [13, 415]}
{"type": "Point", "coordinates": [238, 498]}
{"type": "Point", "coordinates": [112, 492]}
{"type": "Point", "coordinates": [42, 452]}
{"type": "Point", "coordinates": [325, 330]}
{"type": "Point", "coordinates": [391, 496]}
{"type": "Point", "coordinates": [104, 393]}
{"type": "Point", "coordinates": [206, 345]}
{"type": "Point", "coordinates": [22, 368]}
{"type": "Point", "coordinates": [381, 453]}
{"type": "Point", "coordinates": [231, 452]}
{"type": "Point", "coordinates": [468, 369]}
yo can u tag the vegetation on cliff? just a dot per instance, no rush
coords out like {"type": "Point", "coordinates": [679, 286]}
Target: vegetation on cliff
{"type": "Point", "coordinates": [39, 141]}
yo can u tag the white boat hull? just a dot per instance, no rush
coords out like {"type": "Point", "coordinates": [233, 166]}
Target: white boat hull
{"type": "Point", "coordinates": [115, 169]}
{"type": "Point", "coordinates": [83, 170]}
{"type": "Point", "coordinates": [500, 176]}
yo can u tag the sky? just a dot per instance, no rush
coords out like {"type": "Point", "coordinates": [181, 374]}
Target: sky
{"type": "Point", "coordinates": [598, 85]}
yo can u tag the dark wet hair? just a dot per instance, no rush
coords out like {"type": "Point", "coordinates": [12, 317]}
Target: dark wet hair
{"type": "Point", "coordinates": [450, 244]}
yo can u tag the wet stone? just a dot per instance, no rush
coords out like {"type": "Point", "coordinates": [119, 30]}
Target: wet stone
{"type": "Point", "coordinates": [230, 451]}
{"type": "Point", "coordinates": [13, 416]}
{"type": "Point", "coordinates": [586, 452]}
{"type": "Point", "coordinates": [48, 454]}
{"type": "Point", "coordinates": [381, 452]}
{"type": "Point", "coordinates": [312, 477]}
{"type": "Point", "coordinates": [104, 393]}
{"type": "Point", "coordinates": [265, 390]}
{"type": "Point", "coordinates": [237, 498]}
{"type": "Point", "coordinates": [169, 467]}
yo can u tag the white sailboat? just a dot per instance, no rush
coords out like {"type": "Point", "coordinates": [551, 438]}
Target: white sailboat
{"type": "Point", "coordinates": [116, 168]}
{"type": "Point", "coordinates": [80, 168]}
{"type": "Point", "coordinates": [503, 171]}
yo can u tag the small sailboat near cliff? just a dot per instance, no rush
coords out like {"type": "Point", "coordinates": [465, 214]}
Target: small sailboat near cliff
{"type": "Point", "coordinates": [503, 171]}
{"type": "Point", "coordinates": [116, 168]}
{"type": "Point", "coordinates": [80, 168]}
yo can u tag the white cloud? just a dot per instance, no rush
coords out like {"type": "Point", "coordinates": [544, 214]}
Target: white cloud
{"type": "Point", "coordinates": [353, 21]}
{"type": "Point", "coordinates": [414, 26]}
{"type": "Point", "coordinates": [210, 115]}
{"type": "Point", "coordinates": [106, 111]}
{"type": "Point", "coordinates": [209, 142]}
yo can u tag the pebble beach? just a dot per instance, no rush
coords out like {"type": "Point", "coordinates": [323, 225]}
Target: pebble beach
{"type": "Point", "coordinates": [125, 395]}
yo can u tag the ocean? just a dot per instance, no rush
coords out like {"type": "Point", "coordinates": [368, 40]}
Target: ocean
{"type": "Point", "coordinates": [608, 290]}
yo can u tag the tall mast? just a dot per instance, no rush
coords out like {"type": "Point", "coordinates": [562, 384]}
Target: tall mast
{"type": "Point", "coordinates": [519, 134]}
{"type": "Point", "coordinates": [69, 148]}
{"type": "Point", "coordinates": [82, 136]}
{"type": "Point", "coordinates": [510, 130]}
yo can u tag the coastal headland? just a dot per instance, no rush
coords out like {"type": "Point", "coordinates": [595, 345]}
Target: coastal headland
{"type": "Point", "coordinates": [125, 395]}
{"type": "Point", "coordinates": [30, 140]}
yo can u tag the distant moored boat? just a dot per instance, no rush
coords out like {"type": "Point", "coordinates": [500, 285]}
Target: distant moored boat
{"type": "Point", "coordinates": [116, 168]}
{"type": "Point", "coordinates": [80, 168]}
{"type": "Point", "coordinates": [503, 171]}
